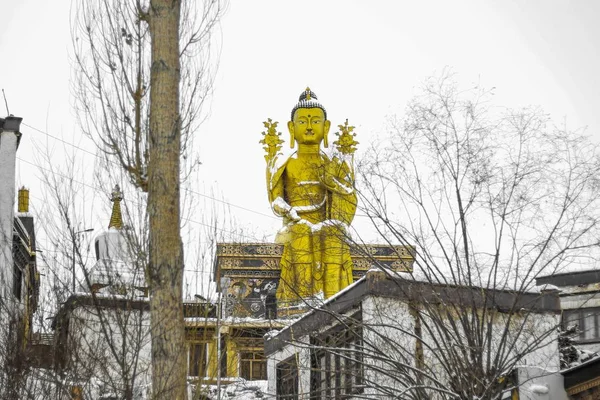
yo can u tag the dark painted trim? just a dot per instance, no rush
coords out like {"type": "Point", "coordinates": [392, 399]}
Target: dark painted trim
{"type": "Point", "coordinates": [570, 278]}
{"type": "Point", "coordinates": [581, 373]}
{"type": "Point", "coordinates": [378, 283]}
{"type": "Point", "coordinates": [87, 300]}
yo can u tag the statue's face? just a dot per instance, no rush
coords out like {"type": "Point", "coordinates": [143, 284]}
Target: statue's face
{"type": "Point", "coordinates": [309, 126]}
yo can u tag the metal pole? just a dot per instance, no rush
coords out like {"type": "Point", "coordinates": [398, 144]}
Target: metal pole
{"type": "Point", "coordinates": [73, 288]}
{"type": "Point", "coordinates": [75, 236]}
{"type": "Point", "coordinates": [219, 346]}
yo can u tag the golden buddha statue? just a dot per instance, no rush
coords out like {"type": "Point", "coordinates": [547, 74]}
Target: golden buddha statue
{"type": "Point", "coordinates": [314, 193]}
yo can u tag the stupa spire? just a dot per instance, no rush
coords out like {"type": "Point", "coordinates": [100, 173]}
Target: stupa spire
{"type": "Point", "coordinates": [116, 219]}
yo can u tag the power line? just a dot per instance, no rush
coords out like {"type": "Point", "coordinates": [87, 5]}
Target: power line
{"type": "Point", "coordinates": [185, 189]}
{"type": "Point", "coordinates": [87, 257]}
{"type": "Point", "coordinates": [99, 190]}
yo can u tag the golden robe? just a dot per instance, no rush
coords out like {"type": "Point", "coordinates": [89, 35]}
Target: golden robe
{"type": "Point", "coordinates": [316, 256]}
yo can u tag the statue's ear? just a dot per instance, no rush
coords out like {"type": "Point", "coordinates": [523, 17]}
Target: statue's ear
{"type": "Point", "coordinates": [291, 129]}
{"type": "Point", "coordinates": [326, 127]}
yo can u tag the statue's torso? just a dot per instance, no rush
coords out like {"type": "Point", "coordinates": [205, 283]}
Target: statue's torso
{"type": "Point", "coordinates": [303, 188]}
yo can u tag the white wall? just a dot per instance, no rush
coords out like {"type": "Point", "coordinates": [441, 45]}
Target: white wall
{"type": "Point", "coordinates": [96, 340]}
{"type": "Point", "coordinates": [387, 328]}
{"type": "Point", "coordinates": [524, 330]}
{"type": "Point", "coordinates": [388, 332]}
{"type": "Point", "coordinates": [8, 151]}
{"type": "Point", "coordinates": [303, 358]}
{"type": "Point", "coordinates": [538, 383]}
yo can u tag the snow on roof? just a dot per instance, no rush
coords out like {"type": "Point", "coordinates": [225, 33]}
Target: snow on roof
{"type": "Point", "coordinates": [239, 390]}
{"type": "Point", "coordinates": [316, 306]}
{"type": "Point", "coordinates": [546, 288]}
{"type": "Point", "coordinates": [241, 320]}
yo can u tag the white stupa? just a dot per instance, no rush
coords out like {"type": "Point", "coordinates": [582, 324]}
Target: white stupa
{"type": "Point", "coordinates": [118, 269]}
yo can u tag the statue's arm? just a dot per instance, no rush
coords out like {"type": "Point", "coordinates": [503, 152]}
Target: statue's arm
{"type": "Point", "coordinates": [338, 177]}
{"type": "Point", "coordinates": [339, 181]}
{"type": "Point", "coordinates": [277, 198]}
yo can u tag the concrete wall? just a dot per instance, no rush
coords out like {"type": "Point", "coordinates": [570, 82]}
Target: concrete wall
{"type": "Point", "coordinates": [8, 152]}
{"type": "Point", "coordinates": [389, 335]}
{"type": "Point", "coordinates": [531, 334]}
{"type": "Point", "coordinates": [538, 383]}
{"type": "Point", "coordinates": [106, 346]}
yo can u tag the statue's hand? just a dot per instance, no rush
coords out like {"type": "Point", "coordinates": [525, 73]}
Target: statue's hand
{"type": "Point", "coordinates": [333, 178]}
{"type": "Point", "coordinates": [326, 175]}
{"type": "Point", "coordinates": [293, 215]}
{"type": "Point", "coordinates": [282, 208]}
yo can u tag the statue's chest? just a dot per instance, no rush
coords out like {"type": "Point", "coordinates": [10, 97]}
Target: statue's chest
{"type": "Point", "coordinates": [299, 171]}
{"type": "Point", "coordinates": [303, 182]}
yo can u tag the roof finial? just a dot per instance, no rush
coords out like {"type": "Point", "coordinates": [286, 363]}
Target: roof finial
{"type": "Point", "coordinates": [23, 200]}
{"type": "Point", "coordinates": [116, 220]}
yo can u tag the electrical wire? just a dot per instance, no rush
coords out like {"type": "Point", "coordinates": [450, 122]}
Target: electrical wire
{"type": "Point", "coordinates": [184, 189]}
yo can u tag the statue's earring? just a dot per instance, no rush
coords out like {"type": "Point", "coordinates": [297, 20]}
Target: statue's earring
{"type": "Point", "coordinates": [291, 130]}
{"type": "Point", "coordinates": [326, 127]}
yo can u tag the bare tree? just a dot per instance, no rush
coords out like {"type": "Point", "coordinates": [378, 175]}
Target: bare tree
{"type": "Point", "coordinates": [91, 336]}
{"type": "Point", "coordinates": [139, 97]}
{"type": "Point", "coordinates": [92, 330]}
{"type": "Point", "coordinates": [491, 198]}
{"type": "Point", "coordinates": [112, 60]}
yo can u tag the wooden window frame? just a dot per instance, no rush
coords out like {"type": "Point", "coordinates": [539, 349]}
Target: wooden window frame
{"type": "Point", "coordinates": [287, 379]}
{"type": "Point", "coordinates": [337, 362]}
{"type": "Point", "coordinates": [254, 362]}
{"type": "Point", "coordinates": [198, 370]}
{"type": "Point", "coordinates": [582, 323]}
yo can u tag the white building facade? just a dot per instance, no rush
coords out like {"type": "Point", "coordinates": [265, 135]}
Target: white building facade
{"type": "Point", "coordinates": [580, 302]}
{"type": "Point", "coordinates": [397, 338]}
{"type": "Point", "coordinates": [103, 330]}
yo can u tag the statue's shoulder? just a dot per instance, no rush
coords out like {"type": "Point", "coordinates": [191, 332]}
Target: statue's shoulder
{"type": "Point", "coordinates": [278, 167]}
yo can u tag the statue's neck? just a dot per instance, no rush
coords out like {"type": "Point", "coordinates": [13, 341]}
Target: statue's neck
{"type": "Point", "coordinates": [309, 149]}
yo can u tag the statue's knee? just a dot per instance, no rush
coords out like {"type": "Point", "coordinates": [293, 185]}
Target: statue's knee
{"type": "Point", "coordinates": [300, 230]}
{"type": "Point", "coordinates": [335, 228]}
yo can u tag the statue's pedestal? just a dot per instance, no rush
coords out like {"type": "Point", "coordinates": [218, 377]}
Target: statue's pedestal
{"type": "Point", "coordinates": [251, 272]}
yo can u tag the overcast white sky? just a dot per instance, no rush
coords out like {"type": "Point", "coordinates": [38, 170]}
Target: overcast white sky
{"type": "Point", "coordinates": [362, 58]}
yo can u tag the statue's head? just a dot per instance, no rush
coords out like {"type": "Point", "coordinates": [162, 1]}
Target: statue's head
{"type": "Point", "coordinates": [309, 124]}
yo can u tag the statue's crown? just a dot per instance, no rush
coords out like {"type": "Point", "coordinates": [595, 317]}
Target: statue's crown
{"type": "Point", "coordinates": [308, 99]}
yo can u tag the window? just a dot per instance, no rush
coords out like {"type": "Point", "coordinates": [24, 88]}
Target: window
{"type": "Point", "coordinates": [336, 364]}
{"type": "Point", "coordinates": [588, 322]}
{"type": "Point", "coordinates": [253, 365]}
{"type": "Point", "coordinates": [197, 360]}
{"type": "Point", "coordinates": [17, 281]}
{"type": "Point", "coordinates": [287, 379]}
{"type": "Point", "coordinates": [271, 307]}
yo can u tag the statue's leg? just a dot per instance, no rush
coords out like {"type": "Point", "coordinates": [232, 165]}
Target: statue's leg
{"type": "Point", "coordinates": [302, 260]}
{"type": "Point", "coordinates": [318, 267]}
{"type": "Point", "coordinates": [286, 277]}
{"type": "Point", "coordinates": [334, 251]}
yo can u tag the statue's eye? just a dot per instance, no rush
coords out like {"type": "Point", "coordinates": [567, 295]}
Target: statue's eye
{"type": "Point", "coordinates": [317, 121]}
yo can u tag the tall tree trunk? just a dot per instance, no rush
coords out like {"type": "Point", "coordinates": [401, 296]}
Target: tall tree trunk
{"type": "Point", "coordinates": [166, 254]}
